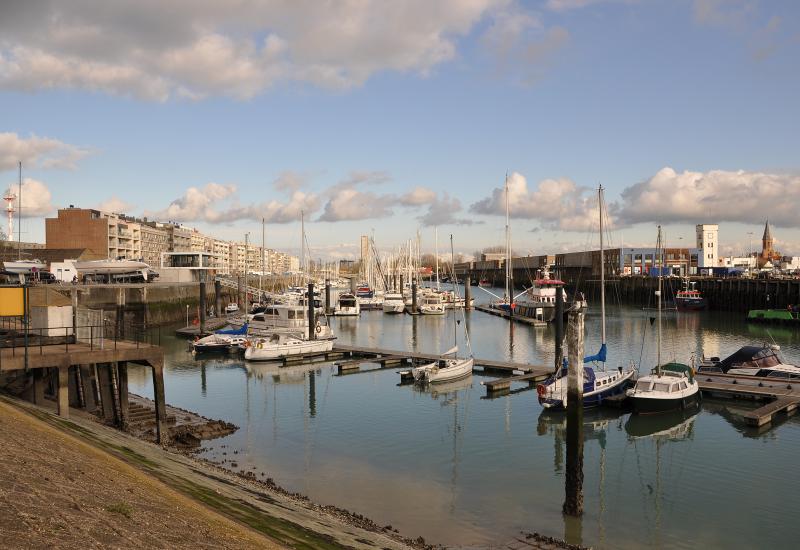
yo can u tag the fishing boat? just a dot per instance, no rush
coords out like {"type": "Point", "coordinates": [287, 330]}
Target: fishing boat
{"type": "Point", "coordinates": [689, 298]}
{"type": "Point", "coordinates": [347, 306]}
{"type": "Point", "coordinates": [539, 301]}
{"type": "Point", "coordinates": [282, 345]}
{"type": "Point", "coordinates": [670, 387]}
{"type": "Point", "coordinates": [598, 384]}
{"type": "Point", "coordinates": [393, 303]}
{"type": "Point", "coordinates": [447, 368]}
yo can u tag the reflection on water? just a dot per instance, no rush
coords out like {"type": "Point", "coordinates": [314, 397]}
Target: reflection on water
{"type": "Point", "coordinates": [443, 463]}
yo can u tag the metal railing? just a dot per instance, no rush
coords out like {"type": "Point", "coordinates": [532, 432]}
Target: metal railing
{"type": "Point", "coordinates": [28, 341]}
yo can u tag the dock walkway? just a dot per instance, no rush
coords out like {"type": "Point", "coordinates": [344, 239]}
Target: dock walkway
{"type": "Point", "coordinates": [783, 396]}
{"type": "Point", "coordinates": [517, 318]}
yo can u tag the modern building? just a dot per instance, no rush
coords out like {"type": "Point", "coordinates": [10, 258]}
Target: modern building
{"type": "Point", "coordinates": [708, 244]}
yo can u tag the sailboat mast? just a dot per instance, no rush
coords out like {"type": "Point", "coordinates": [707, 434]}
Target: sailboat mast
{"type": "Point", "coordinates": [19, 216]}
{"type": "Point", "coordinates": [455, 324]}
{"type": "Point", "coordinates": [436, 253]}
{"type": "Point", "coordinates": [261, 272]}
{"type": "Point", "coordinates": [302, 245]}
{"type": "Point", "coordinates": [602, 272]}
{"type": "Point", "coordinates": [508, 247]}
{"type": "Point", "coordinates": [658, 251]}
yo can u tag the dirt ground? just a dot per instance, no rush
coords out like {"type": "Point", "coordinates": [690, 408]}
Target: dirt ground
{"type": "Point", "coordinates": [59, 492]}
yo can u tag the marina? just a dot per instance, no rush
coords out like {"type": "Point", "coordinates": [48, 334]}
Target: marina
{"type": "Point", "coordinates": [332, 430]}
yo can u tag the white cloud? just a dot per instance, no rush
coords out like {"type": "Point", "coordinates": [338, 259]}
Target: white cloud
{"type": "Point", "coordinates": [566, 5]}
{"type": "Point", "coordinates": [36, 198]}
{"type": "Point", "coordinates": [155, 50]}
{"type": "Point", "coordinates": [38, 152]}
{"type": "Point", "coordinates": [711, 197]}
{"type": "Point", "coordinates": [418, 196]}
{"type": "Point", "coordinates": [443, 211]}
{"type": "Point", "coordinates": [558, 203]}
{"type": "Point", "coordinates": [115, 205]}
{"type": "Point", "coordinates": [217, 203]}
{"type": "Point", "coordinates": [726, 13]}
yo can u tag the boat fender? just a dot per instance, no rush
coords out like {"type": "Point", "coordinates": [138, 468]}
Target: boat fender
{"type": "Point", "coordinates": [260, 345]}
{"type": "Point", "coordinates": [318, 329]}
{"type": "Point", "coordinates": [541, 390]}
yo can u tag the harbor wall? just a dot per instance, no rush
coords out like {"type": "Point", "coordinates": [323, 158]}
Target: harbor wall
{"type": "Point", "coordinates": [724, 294]}
{"type": "Point", "coordinates": [150, 304]}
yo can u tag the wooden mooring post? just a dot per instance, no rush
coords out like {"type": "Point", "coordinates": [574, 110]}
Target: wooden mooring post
{"type": "Point", "coordinates": [573, 481]}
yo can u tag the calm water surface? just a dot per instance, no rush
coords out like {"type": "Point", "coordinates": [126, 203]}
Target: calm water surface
{"type": "Point", "coordinates": [460, 469]}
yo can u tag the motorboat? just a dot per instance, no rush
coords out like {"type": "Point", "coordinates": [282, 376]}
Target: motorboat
{"type": "Point", "coordinates": [286, 318]}
{"type": "Point", "coordinates": [24, 266]}
{"type": "Point", "coordinates": [281, 345]}
{"type": "Point", "coordinates": [763, 361]}
{"type": "Point", "coordinates": [347, 305]}
{"type": "Point", "coordinates": [431, 305]}
{"type": "Point", "coordinates": [213, 343]}
{"type": "Point", "coordinates": [393, 303]}
{"type": "Point", "coordinates": [231, 308]}
{"type": "Point", "coordinates": [671, 387]}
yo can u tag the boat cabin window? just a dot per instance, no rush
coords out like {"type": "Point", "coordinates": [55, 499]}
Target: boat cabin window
{"type": "Point", "coordinates": [778, 374]}
{"type": "Point", "coordinates": [643, 385]}
{"type": "Point", "coordinates": [661, 386]}
{"type": "Point", "coordinates": [292, 314]}
{"type": "Point", "coordinates": [683, 385]}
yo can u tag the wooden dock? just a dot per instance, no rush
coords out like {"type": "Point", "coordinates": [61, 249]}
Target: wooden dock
{"type": "Point", "coordinates": [504, 384]}
{"type": "Point", "coordinates": [212, 324]}
{"type": "Point", "coordinates": [783, 396]}
{"type": "Point", "coordinates": [517, 318]}
{"type": "Point", "coordinates": [487, 365]}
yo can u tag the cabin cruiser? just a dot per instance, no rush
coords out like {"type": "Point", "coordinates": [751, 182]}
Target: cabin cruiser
{"type": "Point", "coordinates": [393, 303]}
{"type": "Point", "coordinates": [763, 361]}
{"type": "Point", "coordinates": [281, 318]}
{"type": "Point", "coordinates": [431, 305]}
{"type": "Point", "coordinates": [597, 386]}
{"type": "Point", "coordinates": [347, 305]}
{"type": "Point", "coordinates": [671, 387]}
{"type": "Point", "coordinates": [281, 345]}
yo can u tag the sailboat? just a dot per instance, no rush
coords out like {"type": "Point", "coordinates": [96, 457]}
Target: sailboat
{"type": "Point", "coordinates": [448, 368]}
{"type": "Point", "coordinates": [670, 387]}
{"type": "Point", "coordinates": [597, 385]}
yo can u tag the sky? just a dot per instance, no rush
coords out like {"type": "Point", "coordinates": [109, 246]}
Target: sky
{"type": "Point", "coordinates": [389, 118]}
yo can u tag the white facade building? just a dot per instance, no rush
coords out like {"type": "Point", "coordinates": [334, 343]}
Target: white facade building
{"type": "Point", "coordinates": [708, 244]}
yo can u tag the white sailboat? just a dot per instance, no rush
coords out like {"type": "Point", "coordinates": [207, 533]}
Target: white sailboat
{"type": "Point", "coordinates": [447, 368]}
{"type": "Point", "coordinates": [281, 345]}
{"type": "Point", "coordinates": [670, 387]}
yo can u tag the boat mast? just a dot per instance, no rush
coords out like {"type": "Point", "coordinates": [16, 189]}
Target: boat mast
{"type": "Point", "coordinates": [455, 324]}
{"type": "Point", "coordinates": [261, 273]}
{"type": "Point", "coordinates": [508, 248]}
{"type": "Point", "coordinates": [602, 272]}
{"type": "Point", "coordinates": [302, 246]}
{"type": "Point", "coordinates": [436, 253]}
{"type": "Point", "coordinates": [19, 216]}
{"type": "Point", "coordinates": [658, 251]}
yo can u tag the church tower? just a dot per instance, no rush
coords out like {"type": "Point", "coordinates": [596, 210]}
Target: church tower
{"type": "Point", "coordinates": [766, 243]}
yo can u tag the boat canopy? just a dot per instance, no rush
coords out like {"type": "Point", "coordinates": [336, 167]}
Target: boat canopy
{"type": "Point", "coordinates": [599, 356]}
{"type": "Point", "coordinates": [679, 368]}
{"type": "Point", "coordinates": [241, 331]}
{"type": "Point", "coordinates": [755, 356]}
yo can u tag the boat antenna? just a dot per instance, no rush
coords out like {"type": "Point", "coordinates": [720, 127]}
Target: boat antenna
{"type": "Point", "coordinates": [658, 251]}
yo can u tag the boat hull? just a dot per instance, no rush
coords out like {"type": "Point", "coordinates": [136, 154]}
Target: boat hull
{"type": "Point", "coordinates": [690, 304]}
{"type": "Point", "coordinates": [394, 308]}
{"type": "Point", "coordinates": [270, 352]}
{"type": "Point", "coordinates": [591, 399]}
{"type": "Point", "coordinates": [649, 405]}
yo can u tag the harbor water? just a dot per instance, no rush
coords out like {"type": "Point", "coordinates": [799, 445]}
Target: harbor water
{"type": "Point", "coordinates": [457, 468]}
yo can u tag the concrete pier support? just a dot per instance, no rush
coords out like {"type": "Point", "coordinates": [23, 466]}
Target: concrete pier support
{"type": "Point", "coordinates": [63, 391]}
{"type": "Point", "coordinates": [122, 384]}
{"type": "Point", "coordinates": [467, 292]}
{"type": "Point", "coordinates": [120, 318]}
{"type": "Point", "coordinates": [105, 386]}
{"type": "Point", "coordinates": [38, 385]}
{"type": "Point", "coordinates": [218, 309]}
{"type": "Point", "coordinates": [88, 387]}
{"type": "Point", "coordinates": [160, 400]}
{"type": "Point", "coordinates": [328, 297]}
{"type": "Point", "coordinates": [312, 322]}
{"type": "Point", "coordinates": [573, 480]}
{"type": "Point", "coordinates": [559, 323]}
{"type": "Point", "coordinates": [202, 303]}
{"type": "Point", "coordinates": [414, 309]}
